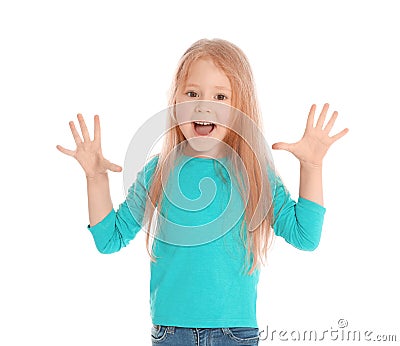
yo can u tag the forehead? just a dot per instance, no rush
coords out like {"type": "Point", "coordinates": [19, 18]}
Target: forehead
{"type": "Point", "coordinates": [204, 71]}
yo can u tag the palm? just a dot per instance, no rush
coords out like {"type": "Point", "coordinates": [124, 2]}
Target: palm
{"type": "Point", "coordinates": [316, 141]}
{"type": "Point", "coordinates": [89, 156]}
{"type": "Point", "coordinates": [88, 153]}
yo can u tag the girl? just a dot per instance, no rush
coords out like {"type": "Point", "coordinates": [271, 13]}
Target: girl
{"type": "Point", "coordinates": [207, 248]}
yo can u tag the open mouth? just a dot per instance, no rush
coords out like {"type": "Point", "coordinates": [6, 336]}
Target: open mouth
{"type": "Point", "coordinates": [203, 128]}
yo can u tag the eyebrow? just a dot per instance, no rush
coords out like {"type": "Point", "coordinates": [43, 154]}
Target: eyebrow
{"type": "Point", "coordinates": [219, 87]}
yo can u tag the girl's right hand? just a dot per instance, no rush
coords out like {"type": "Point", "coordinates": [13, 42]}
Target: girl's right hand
{"type": "Point", "coordinates": [88, 153]}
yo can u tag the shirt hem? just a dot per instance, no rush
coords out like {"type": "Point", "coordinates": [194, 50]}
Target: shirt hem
{"type": "Point", "coordinates": [225, 323]}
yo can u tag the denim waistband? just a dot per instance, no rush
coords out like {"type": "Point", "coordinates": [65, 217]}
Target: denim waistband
{"type": "Point", "coordinates": [171, 329]}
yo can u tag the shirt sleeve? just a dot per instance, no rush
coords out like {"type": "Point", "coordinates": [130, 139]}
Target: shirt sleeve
{"type": "Point", "coordinates": [300, 224]}
{"type": "Point", "coordinates": [119, 227]}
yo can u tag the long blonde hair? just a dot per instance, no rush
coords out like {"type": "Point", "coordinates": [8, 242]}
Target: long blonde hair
{"type": "Point", "coordinates": [233, 62]}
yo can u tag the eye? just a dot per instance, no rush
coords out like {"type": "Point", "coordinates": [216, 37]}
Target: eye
{"type": "Point", "coordinates": [221, 97]}
{"type": "Point", "coordinates": [192, 94]}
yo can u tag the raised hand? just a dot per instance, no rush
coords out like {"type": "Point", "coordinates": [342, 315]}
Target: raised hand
{"type": "Point", "coordinates": [311, 149]}
{"type": "Point", "coordinates": [88, 153]}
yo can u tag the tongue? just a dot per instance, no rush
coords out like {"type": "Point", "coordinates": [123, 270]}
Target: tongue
{"type": "Point", "coordinates": [203, 129]}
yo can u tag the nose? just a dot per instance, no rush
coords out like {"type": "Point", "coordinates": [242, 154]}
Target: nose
{"type": "Point", "coordinates": [203, 107]}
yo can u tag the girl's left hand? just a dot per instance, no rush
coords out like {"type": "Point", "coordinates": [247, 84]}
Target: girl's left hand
{"type": "Point", "coordinates": [311, 149]}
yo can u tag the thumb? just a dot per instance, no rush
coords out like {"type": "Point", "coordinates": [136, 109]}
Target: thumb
{"type": "Point", "coordinates": [113, 167]}
{"type": "Point", "coordinates": [281, 146]}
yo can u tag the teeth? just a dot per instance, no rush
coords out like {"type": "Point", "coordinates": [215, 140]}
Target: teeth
{"type": "Point", "coordinates": [203, 123]}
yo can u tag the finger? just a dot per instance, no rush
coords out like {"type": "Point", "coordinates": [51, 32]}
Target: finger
{"type": "Point", "coordinates": [82, 124]}
{"type": "Point", "coordinates": [97, 136]}
{"type": "Point", "coordinates": [339, 135]}
{"type": "Point", "coordinates": [331, 122]}
{"type": "Point", "coordinates": [281, 146]}
{"type": "Point", "coordinates": [113, 167]}
{"type": "Point", "coordinates": [310, 119]}
{"type": "Point", "coordinates": [65, 151]}
{"type": "Point", "coordinates": [321, 119]}
{"type": "Point", "coordinates": [75, 133]}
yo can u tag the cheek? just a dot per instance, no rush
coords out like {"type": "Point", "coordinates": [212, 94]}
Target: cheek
{"type": "Point", "coordinates": [186, 129]}
{"type": "Point", "coordinates": [179, 99]}
{"type": "Point", "coordinates": [220, 133]}
{"type": "Point", "coordinates": [223, 131]}
{"type": "Point", "coordinates": [183, 112]}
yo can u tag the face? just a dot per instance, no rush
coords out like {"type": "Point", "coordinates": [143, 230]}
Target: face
{"type": "Point", "coordinates": [209, 89]}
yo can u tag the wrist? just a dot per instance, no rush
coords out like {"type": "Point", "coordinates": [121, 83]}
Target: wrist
{"type": "Point", "coordinates": [311, 165]}
{"type": "Point", "coordinates": [94, 177]}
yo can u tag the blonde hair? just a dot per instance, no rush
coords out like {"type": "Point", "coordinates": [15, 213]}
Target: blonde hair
{"type": "Point", "coordinates": [233, 62]}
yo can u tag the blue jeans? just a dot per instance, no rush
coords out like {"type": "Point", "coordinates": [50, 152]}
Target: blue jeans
{"type": "Point", "coordinates": [180, 336]}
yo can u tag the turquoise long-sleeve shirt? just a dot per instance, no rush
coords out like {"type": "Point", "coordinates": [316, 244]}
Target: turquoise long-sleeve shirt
{"type": "Point", "coordinates": [198, 281]}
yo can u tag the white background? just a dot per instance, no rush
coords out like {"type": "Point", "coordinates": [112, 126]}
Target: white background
{"type": "Point", "coordinates": [117, 59]}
